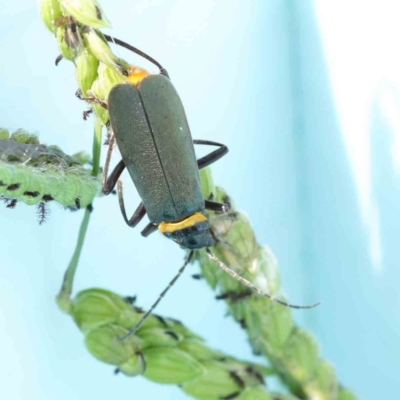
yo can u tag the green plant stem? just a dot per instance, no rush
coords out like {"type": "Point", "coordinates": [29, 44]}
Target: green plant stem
{"type": "Point", "coordinates": [64, 296]}
{"type": "Point", "coordinates": [96, 148]}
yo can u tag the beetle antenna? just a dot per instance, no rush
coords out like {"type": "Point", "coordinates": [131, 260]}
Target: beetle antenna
{"type": "Point", "coordinates": [127, 46]}
{"type": "Point", "coordinates": [163, 293]}
{"type": "Point", "coordinates": [245, 282]}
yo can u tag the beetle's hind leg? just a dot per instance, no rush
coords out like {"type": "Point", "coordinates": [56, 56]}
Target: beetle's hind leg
{"type": "Point", "coordinates": [109, 182]}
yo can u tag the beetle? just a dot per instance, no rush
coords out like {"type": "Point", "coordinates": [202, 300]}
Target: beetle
{"type": "Point", "coordinates": [149, 124]}
{"type": "Point", "coordinates": [152, 133]}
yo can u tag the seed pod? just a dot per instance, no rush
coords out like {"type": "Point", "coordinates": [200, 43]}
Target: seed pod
{"type": "Point", "coordinates": [256, 394]}
{"type": "Point", "coordinates": [215, 383]}
{"type": "Point", "coordinates": [323, 385]}
{"type": "Point", "coordinates": [96, 307]}
{"type": "Point", "coordinates": [267, 322]}
{"type": "Point", "coordinates": [99, 48]}
{"type": "Point", "coordinates": [171, 365]}
{"type": "Point", "coordinates": [85, 70]}
{"type": "Point", "coordinates": [345, 394]}
{"type": "Point", "coordinates": [198, 350]}
{"type": "Point", "coordinates": [68, 41]}
{"type": "Point", "coordinates": [301, 355]}
{"type": "Point", "coordinates": [50, 11]}
{"type": "Point", "coordinates": [87, 12]}
{"type": "Point", "coordinates": [154, 337]}
{"type": "Point", "coordinates": [106, 79]}
{"type": "Point", "coordinates": [104, 343]}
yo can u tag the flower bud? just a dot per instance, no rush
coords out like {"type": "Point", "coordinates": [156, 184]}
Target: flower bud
{"type": "Point", "coordinates": [256, 393]}
{"type": "Point", "coordinates": [156, 337]}
{"type": "Point", "coordinates": [345, 394]}
{"type": "Point", "coordinates": [99, 48]}
{"type": "Point", "coordinates": [50, 11]}
{"type": "Point", "coordinates": [323, 384]}
{"type": "Point", "coordinates": [87, 12]}
{"type": "Point", "coordinates": [171, 365]}
{"type": "Point", "coordinates": [104, 343]}
{"type": "Point", "coordinates": [106, 79]}
{"type": "Point", "coordinates": [85, 70]}
{"type": "Point", "coordinates": [300, 355]}
{"type": "Point", "coordinates": [216, 382]}
{"type": "Point", "coordinates": [198, 350]}
{"type": "Point", "coordinates": [68, 41]}
{"type": "Point", "coordinates": [95, 307]}
{"type": "Point", "coordinates": [134, 366]}
{"type": "Point", "coordinates": [268, 322]}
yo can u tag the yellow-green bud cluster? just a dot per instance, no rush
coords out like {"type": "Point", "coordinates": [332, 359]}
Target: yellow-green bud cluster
{"type": "Point", "coordinates": [162, 350]}
{"type": "Point", "coordinates": [75, 24]}
{"type": "Point", "coordinates": [292, 352]}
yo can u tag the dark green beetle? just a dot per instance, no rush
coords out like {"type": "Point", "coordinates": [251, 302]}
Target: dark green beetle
{"type": "Point", "coordinates": [150, 126]}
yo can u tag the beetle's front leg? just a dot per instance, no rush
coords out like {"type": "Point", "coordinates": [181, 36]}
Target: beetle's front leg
{"type": "Point", "coordinates": [91, 99]}
{"type": "Point", "coordinates": [109, 182]}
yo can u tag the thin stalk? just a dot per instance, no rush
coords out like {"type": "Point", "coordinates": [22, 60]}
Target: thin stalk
{"type": "Point", "coordinates": [63, 298]}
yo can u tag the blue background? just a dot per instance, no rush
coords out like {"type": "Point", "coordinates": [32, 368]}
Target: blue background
{"type": "Point", "coordinates": [306, 96]}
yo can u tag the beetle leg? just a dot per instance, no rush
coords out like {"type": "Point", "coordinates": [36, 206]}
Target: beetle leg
{"type": "Point", "coordinates": [149, 229]}
{"type": "Point", "coordinates": [213, 156]}
{"type": "Point", "coordinates": [109, 182]}
{"type": "Point", "coordinates": [137, 215]}
{"type": "Point", "coordinates": [91, 99]}
{"type": "Point", "coordinates": [214, 206]}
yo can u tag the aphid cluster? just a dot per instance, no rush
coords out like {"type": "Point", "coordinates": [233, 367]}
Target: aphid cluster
{"type": "Point", "coordinates": [38, 174]}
